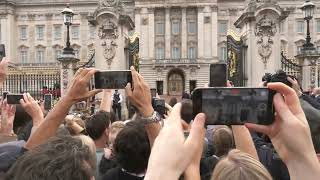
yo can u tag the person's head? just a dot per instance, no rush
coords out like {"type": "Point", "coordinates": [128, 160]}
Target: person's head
{"type": "Point", "coordinates": [59, 158]}
{"type": "Point", "coordinates": [240, 166]}
{"type": "Point", "coordinates": [116, 91]}
{"type": "Point", "coordinates": [187, 110]}
{"type": "Point", "coordinates": [222, 140]}
{"type": "Point", "coordinates": [116, 127]}
{"type": "Point", "coordinates": [98, 125]}
{"type": "Point", "coordinates": [186, 96]}
{"type": "Point", "coordinates": [132, 148]}
{"type": "Point", "coordinates": [173, 101]}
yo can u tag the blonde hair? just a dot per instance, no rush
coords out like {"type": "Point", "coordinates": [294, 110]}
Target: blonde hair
{"type": "Point", "coordinates": [240, 166]}
{"type": "Point", "coordinates": [222, 140]}
{"type": "Point", "coordinates": [86, 140]}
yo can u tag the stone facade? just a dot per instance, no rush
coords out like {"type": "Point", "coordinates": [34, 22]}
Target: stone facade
{"type": "Point", "coordinates": [178, 38]}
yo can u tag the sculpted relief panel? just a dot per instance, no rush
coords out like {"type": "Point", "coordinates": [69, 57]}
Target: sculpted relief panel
{"type": "Point", "coordinates": [264, 31]}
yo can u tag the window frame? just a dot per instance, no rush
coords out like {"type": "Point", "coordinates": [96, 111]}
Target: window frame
{"type": "Point", "coordinates": [38, 37]}
{"type": "Point", "coordinates": [162, 29]}
{"type": "Point", "coordinates": [178, 26]}
{"type": "Point", "coordinates": [40, 59]}
{"type": "Point", "coordinates": [26, 32]}
{"type": "Point", "coordinates": [160, 55]}
{"type": "Point", "coordinates": [195, 27]}
{"type": "Point", "coordinates": [73, 27]}
{"type": "Point", "coordinates": [298, 23]}
{"type": "Point", "coordinates": [176, 52]}
{"type": "Point", "coordinates": [223, 53]}
{"type": "Point", "coordinates": [220, 23]}
{"type": "Point", "coordinates": [24, 58]}
{"type": "Point", "coordinates": [55, 27]}
{"type": "Point", "coordinates": [318, 25]}
{"type": "Point", "coordinates": [192, 55]}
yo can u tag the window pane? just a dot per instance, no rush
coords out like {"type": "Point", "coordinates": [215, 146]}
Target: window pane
{"type": "Point", "coordinates": [160, 28]}
{"type": "Point", "coordinates": [92, 32]}
{"type": "Point", "coordinates": [191, 27]}
{"type": "Point", "coordinates": [23, 32]}
{"type": "Point", "coordinates": [223, 54]}
{"type": "Point", "coordinates": [58, 54]}
{"type": "Point", "coordinates": [76, 52]}
{"type": "Point", "coordinates": [175, 28]}
{"type": "Point", "coordinates": [175, 53]}
{"type": "Point", "coordinates": [23, 56]}
{"type": "Point", "coordinates": [223, 27]}
{"type": "Point", "coordinates": [300, 26]}
{"type": "Point", "coordinates": [40, 32]}
{"type": "Point", "coordinates": [57, 31]}
{"type": "Point", "coordinates": [40, 56]}
{"type": "Point", "coordinates": [75, 32]}
{"type": "Point", "coordinates": [192, 53]}
{"type": "Point", "coordinates": [318, 26]}
{"type": "Point", "coordinates": [160, 53]}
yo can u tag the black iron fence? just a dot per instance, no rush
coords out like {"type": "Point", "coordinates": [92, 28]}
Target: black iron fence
{"type": "Point", "coordinates": [291, 67]}
{"type": "Point", "coordinates": [35, 84]}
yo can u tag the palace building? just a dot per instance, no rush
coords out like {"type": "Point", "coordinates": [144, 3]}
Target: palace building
{"type": "Point", "coordinates": [178, 39]}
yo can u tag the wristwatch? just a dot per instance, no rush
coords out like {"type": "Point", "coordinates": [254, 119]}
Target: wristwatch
{"type": "Point", "coordinates": [154, 118]}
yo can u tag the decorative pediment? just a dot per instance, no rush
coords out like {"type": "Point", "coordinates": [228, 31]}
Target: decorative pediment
{"type": "Point", "coordinates": [57, 46]}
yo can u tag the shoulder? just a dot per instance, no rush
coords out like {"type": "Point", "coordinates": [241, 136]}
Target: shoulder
{"type": "Point", "coordinates": [112, 174]}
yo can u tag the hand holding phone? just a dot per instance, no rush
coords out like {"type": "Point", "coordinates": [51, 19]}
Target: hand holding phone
{"type": "Point", "coordinates": [234, 106]}
{"type": "Point", "coordinates": [14, 98]}
{"type": "Point", "coordinates": [112, 79]}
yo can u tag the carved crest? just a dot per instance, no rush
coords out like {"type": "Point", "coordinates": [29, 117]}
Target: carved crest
{"type": "Point", "coordinates": [116, 4]}
{"type": "Point", "coordinates": [108, 33]}
{"type": "Point", "coordinates": [265, 30]}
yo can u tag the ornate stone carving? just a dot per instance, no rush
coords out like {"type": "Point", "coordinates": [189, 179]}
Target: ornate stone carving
{"type": "Point", "coordinates": [108, 33]}
{"type": "Point", "coordinates": [265, 30]}
{"type": "Point", "coordinates": [110, 3]}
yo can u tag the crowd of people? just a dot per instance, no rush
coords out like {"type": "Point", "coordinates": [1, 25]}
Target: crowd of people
{"type": "Point", "coordinates": [56, 144]}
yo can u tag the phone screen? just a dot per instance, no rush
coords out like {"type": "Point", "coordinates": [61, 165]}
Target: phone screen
{"type": "Point", "coordinates": [14, 98]}
{"type": "Point", "coordinates": [218, 75]}
{"type": "Point", "coordinates": [159, 106]}
{"type": "Point", "coordinates": [2, 51]}
{"type": "Point", "coordinates": [112, 79]}
{"type": "Point", "coordinates": [47, 101]}
{"type": "Point", "coordinates": [234, 106]}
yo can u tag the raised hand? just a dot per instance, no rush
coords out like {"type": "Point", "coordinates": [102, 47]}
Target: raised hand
{"type": "Point", "coordinates": [140, 96]}
{"type": "Point", "coordinates": [172, 153]}
{"type": "Point", "coordinates": [290, 134]}
{"type": "Point", "coordinates": [78, 89]}
{"type": "Point", "coordinates": [3, 69]}
{"type": "Point", "coordinates": [32, 107]}
{"type": "Point", "coordinates": [7, 118]}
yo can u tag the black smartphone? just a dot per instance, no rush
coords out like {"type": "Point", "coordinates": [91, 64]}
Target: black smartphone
{"type": "Point", "coordinates": [234, 106]}
{"type": "Point", "coordinates": [2, 51]}
{"type": "Point", "coordinates": [47, 101]}
{"type": "Point", "coordinates": [218, 75]}
{"type": "Point", "coordinates": [153, 92]}
{"type": "Point", "coordinates": [14, 98]}
{"type": "Point", "coordinates": [159, 105]}
{"type": "Point", "coordinates": [4, 95]}
{"type": "Point", "coordinates": [112, 79]}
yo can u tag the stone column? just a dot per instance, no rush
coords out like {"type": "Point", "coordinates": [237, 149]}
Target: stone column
{"type": "Point", "coordinates": [207, 32]}
{"type": "Point", "coordinates": [306, 78]}
{"type": "Point", "coordinates": [167, 34]}
{"type": "Point", "coordinates": [200, 32]}
{"type": "Point", "coordinates": [144, 38]}
{"type": "Point", "coordinates": [66, 74]}
{"type": "Point", "coordinates": [214, 19]}
{"type": "Point", "coordinates": [184, 34]}
{"type": "Point", "coordinates": [151, 33]}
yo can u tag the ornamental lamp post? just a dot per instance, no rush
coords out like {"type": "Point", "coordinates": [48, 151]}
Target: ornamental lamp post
{"type": "Point", "coordinates": [309, 56]}
{"type": "Point", "coordinates": [68, 59]}
{"type": "Point", "coordinates": [308, 9]}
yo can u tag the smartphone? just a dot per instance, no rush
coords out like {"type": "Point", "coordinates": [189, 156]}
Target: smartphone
{"type": "Point", "coordinates": [218, 75]}
{"type": "Point", "coordinates": [234, 106]}
{"type": "Point", "coordinates": [14, 98]}
{"type": "Point", "coordinates": [4, 95]}
{"type": "Point", "coordinates": [159, 105]}
{"type": "Point", "coordinates": [112, 79]}
{"type": "Point", "coordinates": [2, 51]}
{"type": "Point", "coordinates": [47, 101]}
{"type": "Point", "coordinates": [153, 92]}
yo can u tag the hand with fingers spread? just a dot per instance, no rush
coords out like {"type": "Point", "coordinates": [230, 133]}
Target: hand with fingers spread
{"type": "Point", "coordinates": [290, 134]}
{"type": "Point", "coordinates": [295, 86]}
{"type": "Point", "coordinates": [32, 107]}
{"type": "Point", "coordinates": [140, 96]}
{"type": "Point", "coordinates": [172, 153]}
{"type": "Point", "coordinates": [7, 118]}
{"type": "Point", "coordinates": [78, 89]}
{"type": "Point", "coordinates": [3, 69]}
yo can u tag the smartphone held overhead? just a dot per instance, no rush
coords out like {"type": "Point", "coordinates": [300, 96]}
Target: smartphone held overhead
{"type": "Point", "coordinates": [112, 79]}
{"type": "Point", "coordinates": [234, 106]}
{"type": "Point", "coordinates": [14, 98]}
{"type": "Point", "coordinates": [218, 75]}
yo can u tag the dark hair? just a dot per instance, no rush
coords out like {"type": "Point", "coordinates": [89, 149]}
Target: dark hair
{"type": "Point", "coordinates": [132, 148]}
{"type": "Point", "coordinates": [186, 96]}
{"type": "Point", "coordinates": [173, 101]}
{"type": "Point", "coordinates": [187, 110]}
{"type": "Point", "coordinates": [59, 158]}
{"type": "Point", "coordinates": [97, 124]}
